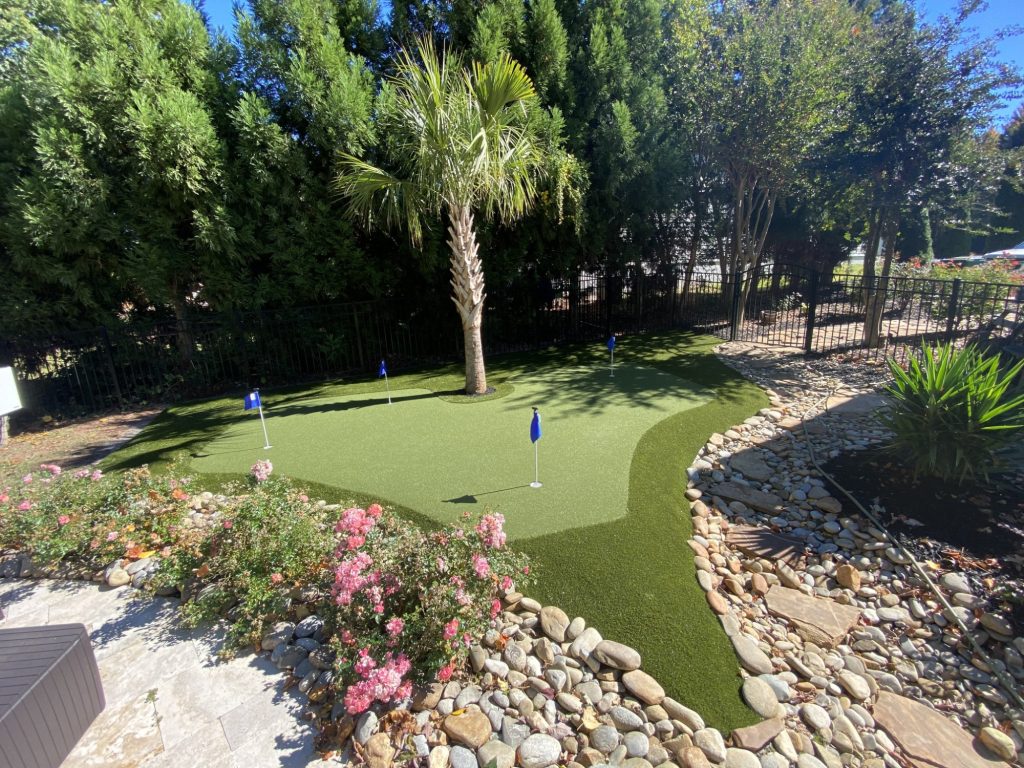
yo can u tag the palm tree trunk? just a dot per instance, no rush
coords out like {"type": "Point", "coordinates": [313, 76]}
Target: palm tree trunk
{"type": "Point", "coordinates": [468, 295]}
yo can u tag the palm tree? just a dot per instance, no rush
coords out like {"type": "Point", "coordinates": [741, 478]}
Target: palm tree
{"type": "Point", "coordinates": [461, 141]}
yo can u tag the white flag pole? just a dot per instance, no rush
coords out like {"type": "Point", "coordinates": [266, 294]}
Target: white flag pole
{"type": "Point", "coordinates": [536, 467]}
{"type": "Point", "coordinates": [611, 364]}
{"type": "Point", "coordinates": [388, 386]}
{"type": "Point", "coordinates": [266, 440]}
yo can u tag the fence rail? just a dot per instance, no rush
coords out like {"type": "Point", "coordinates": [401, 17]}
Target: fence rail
{"type": "Point", "coordinates": [783, 305]}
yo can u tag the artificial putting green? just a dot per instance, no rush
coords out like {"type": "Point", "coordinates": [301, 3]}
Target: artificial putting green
{"type": "Point", "coordinates": [441, 458]}
{"type": "Point", "coordinates": [607, 532]}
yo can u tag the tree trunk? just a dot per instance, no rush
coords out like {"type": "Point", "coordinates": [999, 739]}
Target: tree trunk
{"type": "Point", "coordinates": [468, 294]}
{"type": "Point", "coordinates": [184, 333]}
{"type": "Point", "coordinates": [691, 262]}
{"type": "Point", "coordinates": [876, 303]}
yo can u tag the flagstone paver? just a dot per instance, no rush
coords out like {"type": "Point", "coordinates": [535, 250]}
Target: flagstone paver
{"type": "Point", "coordinates": [755, 541]}
{"type": "Point", "coordinates": [929, 738]}
{"type": "Point", "coordinates": [752, 497]}
{"type": "Point", "coordinates": [170, 702]}
{"type": "Point", "coordinates": [817, 620]}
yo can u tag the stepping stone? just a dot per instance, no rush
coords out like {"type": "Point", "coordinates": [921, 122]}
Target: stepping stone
{"type": "Point", "coordinates": [755, 541]}
{"type": "Point", "coordinates": [856, 405]}
{"type": "Point", "coordinates": [750, 465]}
{"type": "Point", "coordinates": [927, 738]}
{"type": "Point", "coordinates": [817, 620]}
{"type": "Point", "coordinates": [768, 503]}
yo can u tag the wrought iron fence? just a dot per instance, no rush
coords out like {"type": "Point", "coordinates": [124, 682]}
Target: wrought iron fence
{"type": "Point", "coordinates": [783, 305]}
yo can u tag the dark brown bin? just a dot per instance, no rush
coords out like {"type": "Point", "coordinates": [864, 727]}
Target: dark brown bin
{"type": "Point", "coordinates": [50, 692]}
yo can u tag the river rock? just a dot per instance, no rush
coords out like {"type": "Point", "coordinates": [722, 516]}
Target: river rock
{"type": "Point", "coordinates": [760, 697]}
{"type": "Point", "coordinates": [617, 655]}
{"type": "Point", "coordinates": [379, 751]}
{"type": "Point", "coordinates": [539, 750]}
{"type": "Point", "coordinates": [496, 754]}
{"type": "Point", "coordinates": [643, 686]}
{"type": "Point", "coordinates": [751, 657]}
{"type": "Point", "coordinates": [471, 728]}
{"type": "Point", "coordinates": [554, 622]}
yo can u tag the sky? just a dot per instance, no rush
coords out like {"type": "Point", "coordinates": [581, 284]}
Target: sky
{"type": "Point", "coordinates": [999, 14]}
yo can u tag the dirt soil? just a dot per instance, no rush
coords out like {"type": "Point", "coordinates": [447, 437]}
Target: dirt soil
{"type": "Point", "coordinates": [72, 443]}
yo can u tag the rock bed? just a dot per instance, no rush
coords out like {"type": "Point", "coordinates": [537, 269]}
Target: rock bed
{"type": "Point", "coordinates": [827, 668]}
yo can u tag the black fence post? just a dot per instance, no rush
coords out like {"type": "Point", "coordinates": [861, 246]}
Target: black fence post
{"type": "Point", "coordinates": [954, 301]}
{"type": "Point", "coordinates": [812, 310]}
{"type": "Point", "coordinates": [734, 310]}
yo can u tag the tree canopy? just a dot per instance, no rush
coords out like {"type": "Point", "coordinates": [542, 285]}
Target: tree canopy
{"type": "Point", "coordinates": [152, 168]}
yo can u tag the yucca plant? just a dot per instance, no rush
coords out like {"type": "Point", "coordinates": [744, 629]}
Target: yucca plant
{"type": "Point", "coordinates": [955, 412]}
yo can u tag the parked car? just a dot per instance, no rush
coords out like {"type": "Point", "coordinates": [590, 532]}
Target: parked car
{"type": "Point", "coordinates": [963, 261]}
{"type": "Point", "coordinates": [1016, 252]}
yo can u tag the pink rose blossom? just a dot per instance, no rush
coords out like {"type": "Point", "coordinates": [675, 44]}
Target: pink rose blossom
{"type": "Point", "coordinates": [450, 629]}
{"type": "Point", "coordinates": [506, 583]}
{"type": "Point", "coordinates": [228, 524]}
{"type": "Point", "coordinates": [495, 608]}
{"type": "Point", "coordinates": [395, 626]}
{"type": "Point", "coordinates": [27, 478]}
{"type": "Point", "coordinates": [4, 498]}
{"type": "Point", "coordinates": [481, 567]}
{"type": "Point", "coordinates": [112, 536]}
{"type": "Point", "coordinates": [63, 520]}
{"type": "Point", "coordinates": [260, 471]}
{"type": "Point", "coordinates": [81, 474]}
{"type": "Point", "coordinates": [303, 498]}
{"type": "Point", "coordinates": [374, 510]}
{"type": "Point", "coordinates": [276, 578]}
{"type": "Point", "coordinates": [490, 530]}
{"type": "Point", "coordinates": [96, 476]}
{"type": "Point", "coordinates": [25, 506]}
{"type": "Point", "coordinates": [444, 674]}
{"type": "Point", "coordinates": [442, 565]}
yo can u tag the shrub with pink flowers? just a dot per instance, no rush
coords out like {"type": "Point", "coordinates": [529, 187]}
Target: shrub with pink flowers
{"type": "Point", "coordinates": [88, 519]}
{"type": "Point", "coordinates": [260, 471]}
{"type": "Point", "coordinates": [410, 603]}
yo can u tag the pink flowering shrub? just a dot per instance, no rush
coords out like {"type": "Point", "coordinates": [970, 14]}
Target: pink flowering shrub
{"type": "Point", "coordinates": [411, 602]}
{"type": "Point", "coordinates": [260, 471]}
{"type": "Point", "coordinates": [89, 519]}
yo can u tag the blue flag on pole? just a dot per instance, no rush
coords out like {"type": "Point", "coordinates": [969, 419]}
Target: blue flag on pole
{"type": "Point", "coordinates": [252, 400]}
{"type": "Point", "coordinates": [383, 370]}
{"type": "Point", "coordinates": [611, 343]}
{"type": "Point", "coordinates": [535, 427]}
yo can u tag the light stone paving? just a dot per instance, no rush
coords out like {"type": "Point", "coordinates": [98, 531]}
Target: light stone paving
{"type": "Point", "coordinates": [170, 702]}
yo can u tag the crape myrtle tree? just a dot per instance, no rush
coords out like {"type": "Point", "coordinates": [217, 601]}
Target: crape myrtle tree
{"type": "Point", "coordinates": [782, 85]}
{"type": "Point", "coordinates": [920, 99]}
{"type": "Point", "coordinates": [458, 142]}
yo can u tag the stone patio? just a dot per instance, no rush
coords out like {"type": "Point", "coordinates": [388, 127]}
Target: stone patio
{"type": "Point", "coordinates": [170, 702]}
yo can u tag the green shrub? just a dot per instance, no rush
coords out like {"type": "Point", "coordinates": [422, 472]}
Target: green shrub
{"type": "Point", "coordinates": [267, 541]}
{"type": "Point", "coordinates": [955, 411]}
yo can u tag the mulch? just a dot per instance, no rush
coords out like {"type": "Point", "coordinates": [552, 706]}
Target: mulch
{"type": "Point", "coordinates": [976, 528]}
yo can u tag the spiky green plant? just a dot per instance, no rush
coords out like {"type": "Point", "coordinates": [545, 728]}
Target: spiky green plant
{"type": "Point", "coordinates": [955, 412]}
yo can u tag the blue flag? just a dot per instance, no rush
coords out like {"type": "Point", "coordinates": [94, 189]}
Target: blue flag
{"type": "Point", "coordinates": [252, 400]}
{"type": "Point", "coordinates": [535, 427]}
{"type": "Point", "coordinates": [383, 370]}
{"type": "Point", "coordinates": [611, 343]}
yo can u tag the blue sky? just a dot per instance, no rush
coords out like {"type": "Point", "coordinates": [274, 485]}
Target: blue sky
{"type": "Point", "coordinates": [999, 14]}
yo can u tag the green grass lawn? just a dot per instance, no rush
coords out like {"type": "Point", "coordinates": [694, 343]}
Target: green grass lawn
{"type": "Point", "coordinates": [608, 530]}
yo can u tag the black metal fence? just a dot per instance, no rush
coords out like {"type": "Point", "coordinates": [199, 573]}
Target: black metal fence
{"type": "Point", "coordinates": [783, 305]}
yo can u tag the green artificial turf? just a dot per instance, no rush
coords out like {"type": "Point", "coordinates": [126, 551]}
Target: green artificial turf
{"type": "Point", "coordinates": [610, 550]}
